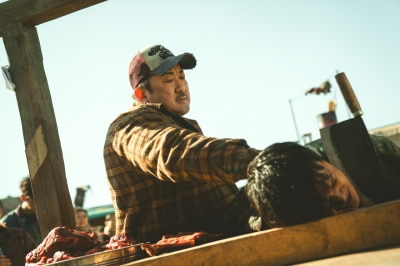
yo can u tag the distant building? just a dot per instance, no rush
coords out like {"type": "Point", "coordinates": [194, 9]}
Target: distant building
{"type": "Point", "coordinates": [10, 203]}
{"type": "Point", "coordinates": [97, 215]}
{"type": "Point", "coordinates": [392, 132]}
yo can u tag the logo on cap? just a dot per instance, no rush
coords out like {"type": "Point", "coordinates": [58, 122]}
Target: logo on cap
{"type": "Point", "coordinates": [163, 52]}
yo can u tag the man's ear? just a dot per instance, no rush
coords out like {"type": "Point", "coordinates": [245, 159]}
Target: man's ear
{"type": "Point", "coordinates": [140, 95]}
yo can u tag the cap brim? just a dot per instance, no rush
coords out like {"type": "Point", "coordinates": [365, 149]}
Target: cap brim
{"type": "Point", "coordinates": [186, 61]}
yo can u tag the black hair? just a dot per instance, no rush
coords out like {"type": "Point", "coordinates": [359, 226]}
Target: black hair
{"type": "Point", "coordinates": [79, 209]}
{"type": "Point", "coordinates": [145, 83]}
{"type": "Point", "coordinates": [26, 187]}
{"type": "Point", "coordinates": [284, 185]}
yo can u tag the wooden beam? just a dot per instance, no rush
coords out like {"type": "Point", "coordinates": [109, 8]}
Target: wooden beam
{"type": "Point", "coordinates": [43, 147]}
{"type": "Point", "coordinates": [372, 227]}
{"type": "Point", "coordinates": [382, 256]}
{"type": "Point", "coordinates": [35, 12]}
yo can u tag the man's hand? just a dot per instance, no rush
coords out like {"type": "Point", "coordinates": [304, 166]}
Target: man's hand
{"type": "Point", "coordinates": [4, 261]}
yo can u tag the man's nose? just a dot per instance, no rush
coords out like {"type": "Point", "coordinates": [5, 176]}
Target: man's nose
{"type": "Point", "coordinates": [180, 85]}
{"type": "Point", "coordinates": [339, 200]}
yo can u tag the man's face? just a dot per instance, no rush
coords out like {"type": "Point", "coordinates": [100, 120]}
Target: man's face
{"type": "Point", "coordinates": [111, 223]}
{"type": "Point", "coordinates": [81, 219]}
{"type": "Point", "coordinates": [341, 194]}
{"type": "Point", "coordinates": [172, 90]}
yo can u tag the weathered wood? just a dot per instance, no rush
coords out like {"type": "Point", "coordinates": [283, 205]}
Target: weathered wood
{"type": "Point", "coordinates": [385, 256]}
{"type": "Point", "coordinates": [43, 147]}
{"type": "Point", "coordinates": [354, 231]}
{"type": "Point", "coordinates": [35, 12]}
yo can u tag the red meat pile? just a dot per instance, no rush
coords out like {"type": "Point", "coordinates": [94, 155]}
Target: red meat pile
{"type": "Point", "coordinates": [63, 243]}
{"type": "Point", "coordinates": [170, 243]}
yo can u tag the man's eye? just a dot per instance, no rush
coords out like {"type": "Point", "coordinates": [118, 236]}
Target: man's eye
{"type": "Point", "coordinates": [333, 181]}
{"type": "Point", "coordinates": [169, 80]}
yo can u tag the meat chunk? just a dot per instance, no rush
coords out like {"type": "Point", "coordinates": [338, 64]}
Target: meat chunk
{"type": "Point", "coordinates": [117, 241]}
{"type": "Point", "coordinates": [62, 239]}
{"type": "Point", "coordinates": [170, 243]}
{"type": "Point", "coordinates": [59, 256]}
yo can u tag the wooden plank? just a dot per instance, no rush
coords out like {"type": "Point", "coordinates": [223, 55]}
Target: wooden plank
{"type": "Point", "coordinates": [43, 147]}
{"type": "Point", "coordinates": [386, 256]}
{"type": "Point", "coordinates": [365, 228]}
{"type": "Point", "coordinates": [35, 12]}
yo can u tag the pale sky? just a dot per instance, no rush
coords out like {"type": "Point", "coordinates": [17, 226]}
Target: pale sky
{"type": "Point", "coordinates": [252, 58]}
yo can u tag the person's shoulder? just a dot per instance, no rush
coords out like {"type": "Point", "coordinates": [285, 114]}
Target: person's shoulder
{"type": "Point", "coordinates": [382, 141]}
{"type": "Point", "coordinates": [19, 232]}
{"type": "Point", "coordinates": [191, 120]}
{"type": "Point", "coordinates": [138, 112]}
{"type": "Point", "coordinates": [194, 123]}
{"type": "Point", "coordinates": [386, 148]}
{"type": "Point", "coordinates": [10, 217]}
{"type": "Point", "coordinates": [21, 236]}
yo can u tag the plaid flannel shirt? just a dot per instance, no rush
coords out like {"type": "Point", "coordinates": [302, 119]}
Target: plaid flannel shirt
{"type": "Point", "coordinates": [16, 244]}
{"type": "Point", "coordinates": [166, 177]}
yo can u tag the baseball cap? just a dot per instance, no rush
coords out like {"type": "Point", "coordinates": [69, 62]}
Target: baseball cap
{"type": "Point", "coordinates": [156, 59]}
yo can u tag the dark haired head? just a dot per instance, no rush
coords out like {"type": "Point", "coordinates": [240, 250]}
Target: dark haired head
{"type": "Point", "coordinates": [79, 209]}
{"type": "Point", "coordinates": [26, 187]}
{"type": "Point", "coordinates": [283, 185]}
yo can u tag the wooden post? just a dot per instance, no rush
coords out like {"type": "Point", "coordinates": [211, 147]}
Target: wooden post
{"type": "Point", "coordinates": [43, 148]}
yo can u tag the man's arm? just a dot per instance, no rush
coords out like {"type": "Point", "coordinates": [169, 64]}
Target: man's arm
{"type": "Point", "coordinates": [155, 144]}
{"type": "Point", "coordinates": [10, 219]}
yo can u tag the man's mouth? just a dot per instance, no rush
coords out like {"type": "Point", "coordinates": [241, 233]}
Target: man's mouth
{"type": "Point", "coordinates": [349, 203]}
{"type": "Point", "coordinates": [181, 97]}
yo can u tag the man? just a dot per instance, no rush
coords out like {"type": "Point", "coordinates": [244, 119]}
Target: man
{"type": "Point", "coordinates": [15, 244]}
{"type": "Point", "coordinates": [108, 231]}
{"type": "Point", "coordinates": [109, 225]}
{"type": "Point", "coordinates": [291, 184]}
{"type": "Point", "coordinates": [24, 216]}
{"type": "Point", "coordinates": [164, 175]}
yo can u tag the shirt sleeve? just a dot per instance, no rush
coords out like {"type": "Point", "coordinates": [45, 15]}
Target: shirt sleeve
{"type": "Point", "coordinates": [156, 145]}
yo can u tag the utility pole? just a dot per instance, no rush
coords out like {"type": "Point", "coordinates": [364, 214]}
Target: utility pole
{"type": "Point", "coordinates": [294, 120]}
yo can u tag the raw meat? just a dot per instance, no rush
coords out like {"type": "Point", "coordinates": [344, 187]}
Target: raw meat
{"type": "Point", "coordinates": [72, 242]}
{"type": "Point", "coordinates": [170, 243]}
{"type": "Point", "coordinates": [118, 241]}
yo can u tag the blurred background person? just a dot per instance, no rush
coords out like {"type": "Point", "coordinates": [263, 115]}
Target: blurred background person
{"type": "Point", "coordinates": [15, 244]}
{"type": "Point", "coordinates": [24, 216]}
{"type": "Point", "coordinates": [109, 227]}
{"type": "Point", "coordinates": [1, 209]}
{"type": "Point", "coordinates": [4, 261]}
{"type": "Point", "coordinates": [82, 220]}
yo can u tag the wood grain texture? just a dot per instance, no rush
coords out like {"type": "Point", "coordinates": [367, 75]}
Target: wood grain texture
{"type": "Point", "coordinates": [384, 257]}
{"type": "Point", "coordinates": [43, 147]}
{"type": "Point", "coordinates": [38, 147]}
{"type": "Point", "coordinates": [348, 94]}
{"type": "Point", "coordinates": [342, 234]}
{"type": "Point", "coordinates": [35, 12]}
